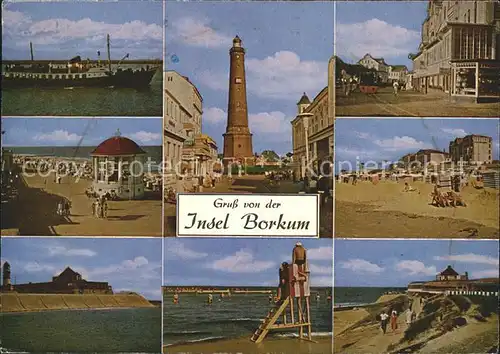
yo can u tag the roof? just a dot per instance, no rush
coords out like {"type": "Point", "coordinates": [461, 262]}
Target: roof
{"type": "Point", "coordinates": [118, 145]}
{"type": "Point", "coordinates": [399, 67]}
{"type": "Point", "coordinates": [68, 271]}
{"type": "Point", "coordinates": [304, 99]}
{"type": "Point", "coordinates": [449, 271]}
{"type": "Point", "coordinates": [429, 151]}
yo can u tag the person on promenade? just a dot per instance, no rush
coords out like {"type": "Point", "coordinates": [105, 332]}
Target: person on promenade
{"type": "Point", "coordinates": [104, 208]}
{"type": "Point", "coordinates": [394, 320]}
{"type": "Point", "coordinates": [409, 317]}
{"type": "Point", "coordinates": [395, 87]}
{"type": "Point", "coordinates": [383, 321]}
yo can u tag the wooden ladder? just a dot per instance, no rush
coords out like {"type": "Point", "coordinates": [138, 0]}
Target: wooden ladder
{"type": "Point", "coordinates": [272, 316]}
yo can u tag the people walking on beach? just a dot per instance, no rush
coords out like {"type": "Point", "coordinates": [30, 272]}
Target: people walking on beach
{"type": "Point", "coordinates": [318, 297]}
{"type": "Point", "coordinates": [394, 320]}
{"type": "Point", "coordinates": [383, 321]}
{"type": "Point", "coordinates": [176, 298]}
{"type": "Point", "coordinates": [210, 299]}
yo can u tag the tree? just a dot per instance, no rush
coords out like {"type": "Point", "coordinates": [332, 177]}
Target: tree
{"type": "Point", "coordinates": [270, 155]}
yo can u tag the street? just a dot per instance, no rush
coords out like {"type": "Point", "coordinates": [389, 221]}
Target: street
{"type": "Point", "coordinates": [410, 104]}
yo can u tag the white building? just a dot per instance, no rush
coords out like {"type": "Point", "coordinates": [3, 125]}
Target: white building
{"type": "Point", "coordinates": [398, 73]}
{"type": "Point", "coordinates": [378, 64]}
{"type": "Point", "coordinates": [182, 113]}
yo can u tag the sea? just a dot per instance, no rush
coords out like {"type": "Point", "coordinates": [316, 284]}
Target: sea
{"type": "Point", "coordinates": [85, 101]}
{"type": "Point", "coordinates": [116, 330]}
{"type": "Point", "coordinates": [154, 154]}
{"type": "Point", "coordinates": [353, 296]}
{"type": "Point", "coordinates": [193, 320]}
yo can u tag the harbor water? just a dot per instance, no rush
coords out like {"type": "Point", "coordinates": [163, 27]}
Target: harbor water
{"type": "Point", "coordinates": [85, 101]}
{"type": "Point", "coordinates": [115, 330]}
{"type": "Point", "coordinates": [193, 320]}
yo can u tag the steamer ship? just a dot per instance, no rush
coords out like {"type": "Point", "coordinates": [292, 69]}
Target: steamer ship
{"type": "Point", "coordinates": [77, 73]}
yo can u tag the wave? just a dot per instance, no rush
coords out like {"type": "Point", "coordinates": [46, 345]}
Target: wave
{"type": "Point", "coordinates": [180, 333]}
{"type": "Point", "coordinates": [205, 339]}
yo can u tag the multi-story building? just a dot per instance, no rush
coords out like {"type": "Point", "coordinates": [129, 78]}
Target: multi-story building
{"type": "Point", "coordinates": [398, 73]}
{"type": "Point", "coordinates": [460, 49]}
{"type": "Point", "coordinates": [312, 130]}
{"type": "Point", "coordinates": [185, 147]}
{"type": "Point", "coordinates": [422, 158]}
{"type": "Point", "coordinates": [378, 64]}
{"type": "Point", "coordinates": [472, 149]}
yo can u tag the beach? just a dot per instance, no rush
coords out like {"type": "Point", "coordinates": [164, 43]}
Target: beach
{"type": "Point", "coordinates": [442, 325]}
{"type": "Point", "coordinates": [35, 211]}
{"type": "Point", "coordinates": [228, 324]}
{"type": "Point", "coordinates": [244, 345]}
{"type": "Point", "coordinates": [384, 210]}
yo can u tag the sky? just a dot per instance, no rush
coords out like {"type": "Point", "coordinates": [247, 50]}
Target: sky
{"type": "Point", "coordinates": [61, 30]}
{"type": "Point", "coordinates": [388, 29]}
{"type": "Point", "coordinates": [241, 261]}
{"type": "Point", "coordinates": [69, 131]}
{"type": "Point", "coordinates": [396, 263]}
{"type": "Point", "coordinates": [370, 139]}
{"type": "Point", "coordinates": [288, 45]}
{"type": "Point", "coordinates": [136, 267]}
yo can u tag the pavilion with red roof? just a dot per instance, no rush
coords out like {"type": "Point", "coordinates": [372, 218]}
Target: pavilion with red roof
{"type": "Point", "coordinates": [119, 168]}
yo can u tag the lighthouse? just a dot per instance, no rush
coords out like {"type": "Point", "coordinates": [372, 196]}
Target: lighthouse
{"type": "Point", "coordinates": [237, 139]}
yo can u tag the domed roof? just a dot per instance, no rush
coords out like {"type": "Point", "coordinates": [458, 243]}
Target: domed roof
{"type": "Point", "coordinates": [118, 145]}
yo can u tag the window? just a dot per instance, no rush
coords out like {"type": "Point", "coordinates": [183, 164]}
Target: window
{"type": "Point", "coordinates": [237, 80]}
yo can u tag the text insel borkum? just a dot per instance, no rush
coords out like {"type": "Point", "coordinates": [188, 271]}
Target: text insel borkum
{"type": "Point", "coordinates": [251, 221]}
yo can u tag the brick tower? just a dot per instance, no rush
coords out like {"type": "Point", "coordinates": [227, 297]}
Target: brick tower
{"type": "Point", "coordinates": [237, 139]}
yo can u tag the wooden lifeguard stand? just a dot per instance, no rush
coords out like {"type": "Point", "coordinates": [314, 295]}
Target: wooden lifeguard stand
{"type": "Point", "coordinates": [290, 313]}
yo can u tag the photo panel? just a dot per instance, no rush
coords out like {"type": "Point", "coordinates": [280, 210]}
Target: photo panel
{"type": "Point", "coordinates": [81, 177]}
{"type": "Point", "coordinates": [442, 61]}
{"type": "Point", "coordinates": [82, 58]}
{"type": "Point", "coordinates": [81, 295]}
{"type": "Point", "coordinates": [417, 178]}
{"type": "Point", "coordinates": [247, 295]}
{"type": "Point", "coordinates": [418, 296]}
{"type": "Point", "coordinates": [248, 110]}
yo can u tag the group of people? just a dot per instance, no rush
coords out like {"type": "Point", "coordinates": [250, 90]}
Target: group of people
{"type": "Point", "coordinates": [64, 207]}
{"type": "Point", "coordinates": [315, 184]}
{"type": "Point", "coordinates": [299, 257]}
{"type": "Point", "coordinates": [385, 319]}
{"type": "Point", "coordinates": [100, 207]}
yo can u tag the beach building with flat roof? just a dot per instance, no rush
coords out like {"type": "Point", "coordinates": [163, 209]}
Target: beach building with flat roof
{"type": "Point", "coordinates": [118, 168]}
{"type": "Point", "coordinates": [67, 282]}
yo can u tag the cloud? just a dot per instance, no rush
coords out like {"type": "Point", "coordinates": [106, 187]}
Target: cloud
{"type": "Point", "coordinates": [35, 267]}
{"type": "Point", "coordinates": [361, 266]}
{"type": "Point", "coordinates": [57, 136]}
{"type": "Point", "coordinates": [19, 29]}
{"type": "Point", "coordinates": [198, 33]}
{"type": "Point", "coordinates": [488, 273]}
{"type": "Point", "coordinates": [284, 75]}
{"type": "Point", "coordinates": [321, 281]}
{"type": "Point", "coordinates": [401, 143]}
{"type": "Point", "coordinates": [73, 252]}
{"type": "Point", "coordinates": [214, 115]}
{"type": "Point", "coordinates": [320, 254]}
{"type": "Point", "coordinates": [271, 123]}
{"type": "Point", "coordinates": [415, 268]}
{"type": "Point", "coordinates": [469, 258]}
{"type": "Point", "coordinates": [454, 132]}
{"type": "Point", "coordinates": [362, 135]}
{"type": "Point", "coordinates": [279, 77]}
{"type": "Point", "coordinates": [316, 269]}
{"type": "Point", "coordinates": [146, 137]}
{"type": "Point", "coordinates": [178, 250]}
{"type": "Point", "coordinates": [376, 37]}
{"type": "Point", "coordinates": [241, 262]}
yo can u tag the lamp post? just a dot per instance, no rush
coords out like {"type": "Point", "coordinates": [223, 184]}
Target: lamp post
{"type": "Point", "coordinates": [305, 121]}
